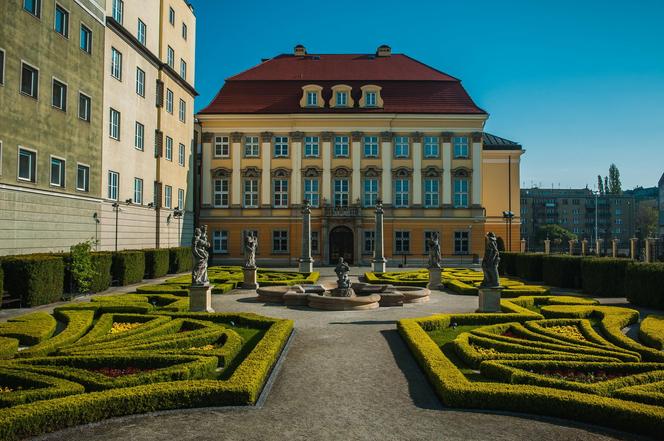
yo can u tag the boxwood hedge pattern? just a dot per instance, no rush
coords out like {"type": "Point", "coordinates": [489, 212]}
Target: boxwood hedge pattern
{"type": "Point", "coordinates": [458, 280]}
{"type": "Point", "coordinates": [555, 356]}
{"type": "Point", "coordinates": [125, 354]}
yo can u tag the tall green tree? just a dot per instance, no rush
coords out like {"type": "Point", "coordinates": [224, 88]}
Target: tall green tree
{"type": "Point", "coordinates": [606, 185]}
{"type": "Point", "coordinates": [555, 233]}
{"type": "Point", "coordinates": [615, 187]}
{"type": "Point", "coordinates": [600, 185]}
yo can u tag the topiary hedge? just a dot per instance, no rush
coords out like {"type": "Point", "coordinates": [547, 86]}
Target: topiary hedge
{"type": "Point", "coordinates": [180, 260]}
{"type": "Point", "coordinates": [128, 267]}
{"type": "Point", "coordinates": [604, 277]}
{"type": "Point", "coordinates": [563, 271]}
{"type": "Point", "coordinates": [156, 262]}
{"type": "Point", "coordinates": [35, 279]}
{"type": "Point", "coordinates": [651, 331]}
{"type": "Point", "coordinates": [507, 264]}
{"type": "Point", "coordinates": [102, 262]}
{"type": "Point", "coordinates": [529, 266]}
{"type": "Point", "coordinates": [644, 284]}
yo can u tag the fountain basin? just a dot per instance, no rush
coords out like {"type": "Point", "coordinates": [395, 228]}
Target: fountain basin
{"type": "Point", "coordinates": [353, 303]}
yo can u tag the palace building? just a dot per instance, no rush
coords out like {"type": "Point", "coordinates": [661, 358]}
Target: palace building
{"type": "Point", "coordinates": [343, 131]}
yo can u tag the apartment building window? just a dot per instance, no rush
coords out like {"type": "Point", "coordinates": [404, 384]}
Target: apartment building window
{"type": "Point", "coordinates": [141, 32]}
{"type": "Point", "coordinates": [114, 124]}
{"type": "Point", "coordinates": [221, 193]}
{"type": "Point", "coordinates": [369, 241]}
{"type": "Point", "coordinates": [27, 165]}
{"type": "Point", "coordinates": [171, 16]}
{"type": "Point", "coordinates": [168, 196]}
{"type": "Point", "coordinates": [169, 148]}
{"type": "Point", "coordinates": [312, 99]}
{"type": "Point", "coordinates": [460, 193]}
{"type": "Point", "coordinates": [311, 191]}
{"type": "Point", "coordinates": [57, 172]}
{"type": "Point", "coordinates": [59, 99]}
{"type": "Point", "coordinates": [402, 242]}
{"type": "Point", "coordinates": [170, 57]}
{"type": "Point", "coordinates": [431, 147]}
{"type": "Point", "coordinates": [461, 239]}
{"type": "Point", "coordinates": [222, 148]}
{"type": "Point", "coordinates": [116, 64]}
{"type": "Point", "coordinates": [138, 191]}
{"type": "Point", "coordinates": [180, 199]}
{"type": "Point", "coordinates": [341, 192]}
{"type": "Point", "coordinates": [84, 107]}
{"type": "Point", "coordinates": [280, 192]}
{"type": "Point", "coordinates": [29, 80]}
{"type": "Point", "coordinates": [2, 66]}
{"type": "Point", "coordinates": [460, 146]}
{"type": "Point", "coordinates": [370, 99]}
{"type": "Point", "coordinates": [113, 185]}
{"type": "Point", "coordinates": [169, 101]}
{"type": "Point", "coordinates": [280, 146]}
{"type": "Point", "coordinates": [251, 193]}
{"type": "Point", "coordinates": [341, 148]}
{"type": "Point", "coordinates": [183, 69]}
{"type": "Point", "coordinates": [401, 192]}
{"type": "Point", "coordinates": [370, 192]}
{"type": "Point", "coordinates": [61, 24]}
{"type": "Point", "coordinates": [311, 147]}
{"type": "Point", "coordinates": [181, 154]}
{"type": "Point", "coordinates": [341, 99]}
{"type": "Point", "coordinates": [315, 243]}
{"type": "Point", "coordinates": [118, 10]}
{"type": "Point", "coordinates": [619, 221]}
{"type": "Point", "coordinates": [182, 110]}
{"type": "Point", "coordinates": [370, 146]}
{"type": "Point", "coordinates": [185, 31]}
{"type": "Point", "coordinates": [251, 148]}
{"type": "Point", "coordinates": [82, 177]}
{"type": "Point", "coordinates": [401, 147]}
{"type": "Point", "coordinates": [86, 39]}
{"type": "Point", "coordinates": [33, 7]}
{"type": "Point", "coordinates": [139, 136]}
{"type": "Point", "coordinates": [220, 241]}
{"type": "Point", "coordinates": [431, 193]}
{"type": "Point", "coordinates": [280, 241]}
{"type": "Point", "coordinates": [140, 82]}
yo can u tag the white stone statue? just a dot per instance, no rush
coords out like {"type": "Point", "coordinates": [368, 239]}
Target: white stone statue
{"type": "Point", "coordinates": [434, 251]}
{"type": "Point", "coordinates": [199, 250]}
{"type": "Point", "coordinates": [250, 245]}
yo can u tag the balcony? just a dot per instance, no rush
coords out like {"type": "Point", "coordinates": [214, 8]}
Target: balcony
{"type": "Point", "coordinates": [344, 212]}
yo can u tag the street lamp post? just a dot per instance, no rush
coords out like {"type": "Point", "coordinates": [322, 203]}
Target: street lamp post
{"type": "Point", "coordinates": [508, 216]}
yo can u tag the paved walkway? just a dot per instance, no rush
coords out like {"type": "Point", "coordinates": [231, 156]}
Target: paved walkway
{"type": "Point", "coordinates": [347, 376]}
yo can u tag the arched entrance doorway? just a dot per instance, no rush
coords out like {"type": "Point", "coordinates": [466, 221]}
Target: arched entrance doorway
{"type": "Point", "coordinates": [341, 244]}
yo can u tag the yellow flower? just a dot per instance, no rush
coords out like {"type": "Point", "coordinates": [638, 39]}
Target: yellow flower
{"type": "Point", "coordinates": [119, 327]}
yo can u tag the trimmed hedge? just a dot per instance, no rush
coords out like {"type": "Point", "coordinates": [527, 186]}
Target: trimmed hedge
{"type": "Point", "coordinates": [35, 279]}
{"type": "Point", "coordinates": [156, 262]}
{"type": "Point", "coordinates": [102, 279]}
{"type": "Point", "coordinates": [29, 329]}
{"type": "Point", "coordinates": [529, 266]}
{"type": "Point", "coordinates": [651, 331]}
{"type": "Point", "coordinates": [507, 264]}
{"type": "Point", "coordinates": [563, 271]}
{"type": "Point", "coordinates": [644, 284]}
{"type": "Point", "coordinates": [180, 260]}
{"type": "Point", "coordinates": [604, 277]}
{"type": "Point", "coordinates": [2, 280]}
{"type": "Point", "coordinates": [128, 267]}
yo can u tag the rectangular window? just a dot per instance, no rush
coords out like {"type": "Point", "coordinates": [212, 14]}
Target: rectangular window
{"type": "Point", "coordinates": [461, 193]}
{"type": "Point", "coordinates": [341, 192]}
{"type": "Point", "coordinates": [251, 193]}
{"type": "Point", "coordinates": [138, 191]}
{"type": "Point", "coordinates": [311, 147]}
{"type": "Point", "coordinates": [84, 107]}
{"type": "Point", "coordinates": [185, 32]}
{"type": "Point", "coordinates": [140, 82]}
{"type": "Point", "coordinates": [169, 101]}
{"type": "Point", "coordinates": [220, 241]}
{"type": "Point", "coordinates": [180, 199]}
{"type": "Point", "coordinates": [59, 100]}
{"type": "Point", "coordinates": [116, 64]}
{"type": "Point", "coordinates": [341, 148]}
{"type": "Point", "coordinates": [171, 16]}
{"type": "Point", "coordinates": [370, 146]}
{"type": "Point", "coordinates": [251, 148]}
{"type": "Point", "coordinates": [312, 99]}
{"type": "Point", "coordinates": [182, 110]}
{"type": "Point", "coordinates": [221, 193]}
{"type": "Point", "coordinates": [33, 7]}
{"type": "Point", "coordinates": [369, 241]}
{"type": "Point", "coordinates": [431, 147]}
{"type": "Point", "coordinates": [2, 66]}
{"type": "Point", "coordinates": [311, 191]}
{"type": "Point", "coordinates": [29, 81]}
{"type": "Point", "coordinates": [222, 148]}
{"type": "Point", "coordinates": [280, 241]}
{"type": "Point", "coordinates": [118, 10]}
{"type": "Point", "coordinates": [315, 243]}
{"type": "Point", "coordinates": [181, 154]}
{"type": "Point", "coordinates": [401, 242]}
{"type": "Point", "coordinates": [86, 39]}
{"type": "Point", "coordinates": [460, 146]}
{"type": "Point", "coordinates": [170, 57]}
{"type": "Point", "coordinates": [183, 69]}
{"type": "Point", "coordinates": [401, 147]}
{"type": "Point", "coordinates": [27, 165]}
{"type": "Point", "coordinates": [82, 177]}
{"type": "Point", "coordinates": [114, 124]}
{"type": "Point", "coordinates": [342, 99]}
{"type": "Point", "coordinates": [57, 172]}
{"type": "Point", "coordinates": [461, 242]}
{"type": "Point", "coordinates": [169, 148]}
{"type": "Point", "coordinates": [280, 192]}
{"type": "Point", "coordinates": [113, 185]}
{"type": "Point", "coordinates": [370, 99]}
{"type": "Point", "coordinates": [431, 193]}
{"type": "Point", "coordinates": [280, 146]}
{"type": "Point", "coordinates": [141, 32]}
{"type": "Point", "coordinates": [139, 136]}
{"type": "Point", "coordinates": [370, 192]}
{"type": "Point", "coordinates": [168, 196]}
{"type": "Point", "coordinates": [61, 24]}
{"type": "Point", "coordinates": [401, 192]}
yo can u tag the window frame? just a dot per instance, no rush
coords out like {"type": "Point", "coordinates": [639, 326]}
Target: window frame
{"type": "Point", "coordinates": [3, 66]}
{"type": "Point", "coordinates": [88, 40]}
{"type": "Point", "coordinates": [251, 144]}
{"type": "Point", "coordinates": [35, 84]}
{"type": "Point", "coordinates": [464, 195]}
{"type": "Point", "coordinates": [86, 186]}
{"type": "Point", "coordinates": [117, 126]}
{"type": "Point", "coordinates": [401, 196]}
{"type": "Point", "coordinates": [141, 32]}
{"type": "Point", "coordinates": [185, 31]}
{"type": "Point", "coordinates": [183, 69]}
{"type": "Point", "coordinates": [427, 144]}
{"type": "Point", "coordinates": [343, 142]}
{"type": "Point", "coordinates": [220, 237]}
{"type": "Point", "coordinates": [168, 196]}
{"type": "Point", "coordinates": [62, 171]}
{"type": "Point", "coordinates": [37, 9]}
{"type": "Point", "coordinates": [221, 142]}
{"type": "Point", "coordinates": [66, 16]}
{"type": "Point", "coordinates": [64, 89]}
{"type": "Point", "coordinates": [459, 154]}
{"type": "Point", "coordinates": [171, 15]}
{"type": "Point", "coordinates": [139, 141]}
{"type": "Point", "coordinates": [341, 201]}
{"type": "Point", "coordinates": [221, 192]}
{"type": "Point", "coordinates": [284, 239]}
{"type": "Point", "coordinates": [340, 98]}
{"type": "Point", "coordinates": [430, 193]}
{"type": "Point", "coordinates": [253, 193]}
{"type": "Point", "coordinates": [372, 141]}
{"type": "Point", "coordinates": [140, 85]}
{"type": "Point", "coordinates": [88, 115]}
{"type": "Point", "coordinates": [399, 147]}
{"type": "Point", "coordinates": [401, 238]}
{"type": "Point", "coordinates": [281, 147]}
{"type": "Point", "coordinates": [170, 97]}
{"type": "Point", "coordinates": [168, 148]}
{"type": "Point", "coordinates": [182, 111]}
{"type": "Point", "coordinates": [116, 64]}
{"type": "Point", "coordinates": [33, 165]}
{"type": "Point", "coordinates": [280, 195]}
{"type": "Point", "coordinates": [182, 154]}
{"type": "Point", "coordinates": [140, 192]}
{"type": "Point", "coordinates": [181, 197]}
{"type": "Point", "coordinates": [312, 195]}
{"type": "Point", "coordinates": [368, 238]}
{"type": "Point", "coordinates": [461, 242]}
{"type": "Point", "coordinates": [117, 13]}
{"type": "Point", "coordinates": [113, 189]}
{"type": "Point", "coordinates": [370, 195]}
{"type": "Point", "coordinates": [170, 57]}
{"type": "Point", "coordinates": [312, 146]}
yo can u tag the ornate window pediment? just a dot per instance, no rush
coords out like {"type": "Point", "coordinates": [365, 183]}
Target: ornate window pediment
{"type": "Point", "coordinates": [462, 172]}
{"type": "Point", "coordinates": [371, 97]}
{"type": "Point", "coordinates": [221, 172]}
{"type": "Point", "coordinates": [281, 173]}
{"type": "Point", "coordinates": [341, 96]}
{"type": "Point", "coordinates": [251, 172]}
{"type": "Point", "coordinates": [372, 172]}
{"type": "Point", "coordinates": [311, 172]}
{"type": "Point", "coordinates": [432, 172]}
{"type": "Point", "coordinates": [402, 172]}
{"type": "Point", "coordinates": [341, 172]}
{"type": "Point", "coordinates": [312, 96]}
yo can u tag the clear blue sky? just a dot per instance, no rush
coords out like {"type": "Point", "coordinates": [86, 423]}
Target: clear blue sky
{"type": "Point", "coordinates": [579, 83]}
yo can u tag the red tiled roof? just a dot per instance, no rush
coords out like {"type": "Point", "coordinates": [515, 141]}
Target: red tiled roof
{"type": "Point", "coordinates": [408, 86]}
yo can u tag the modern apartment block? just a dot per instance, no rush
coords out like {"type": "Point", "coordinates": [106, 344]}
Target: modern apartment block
{"type": "Point", "coordinates": [344, 131]}
{"type": "Point", "coordinates": [51, 93]}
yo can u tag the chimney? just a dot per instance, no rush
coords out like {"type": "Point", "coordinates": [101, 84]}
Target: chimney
{"type": "Point", "coordinates": [300, 51]}
{"type": "Point", "coordinates": [384, 51]}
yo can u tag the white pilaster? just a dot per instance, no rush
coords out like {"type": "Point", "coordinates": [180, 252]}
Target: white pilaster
{"type": "Point", "coordinates": [206, 180]}
{"type": "Point", "coordinates": [356, 180]}
{"type": "Point", "coordinates": [236, 196]}
{"type": "Point", "coordinates": [296, 176]}
{"type": "Point", "coordinates": [326, 153]}
{"type": "Point", "coordinates": [447, 173]}
{"type": "Point", "coordinates": [386, 181]}
{"type": "Point", "coordinates": [417, 173]}
{"type": "Point", "coordinates": [265, 173]}
{"type": "Point", "coordinates": [476, 198]}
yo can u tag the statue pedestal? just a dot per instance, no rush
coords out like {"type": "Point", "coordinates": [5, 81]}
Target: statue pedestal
{"type": "Point", "coordinates": [250, 278]}
{"type": "Point", "coordinates": [489, 299]}
{"type": "Point", "coordinates": [200, 298]}
{"type": "Point", "coordinates": [434, 277]}
{"type": "Point", "coordinates": [306, 265]}
{"type": "Point", "coordinates": [379, 265]}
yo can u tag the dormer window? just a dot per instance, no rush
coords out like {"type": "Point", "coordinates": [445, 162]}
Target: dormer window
{"type": "Point", "coordinates": [312, 99]}
{"type": "Point", "coordinates": [341, 96]}
{"type": "Point", "coordinates": [311, 96]}
{"type": "Point", "coordinates": [342, 99]}
{"type": "Point", "coordinates": [370, 99]}
{"type": "Point", "coordinates": [371, 96]}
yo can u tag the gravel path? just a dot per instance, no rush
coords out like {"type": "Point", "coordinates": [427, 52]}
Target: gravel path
{"type": "Point", "coordinates": [347, 376]}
